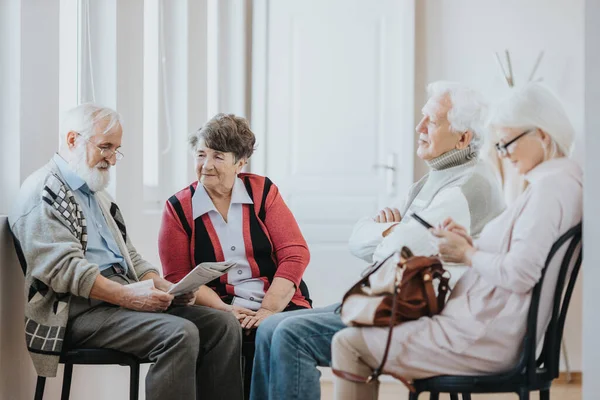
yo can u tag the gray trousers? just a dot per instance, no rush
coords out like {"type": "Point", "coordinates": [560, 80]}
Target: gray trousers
{"type": "Point", "coordinates": [195, 350]}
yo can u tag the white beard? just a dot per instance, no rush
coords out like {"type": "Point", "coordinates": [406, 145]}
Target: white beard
{"type": "Point", "coordinates": [96, 178]}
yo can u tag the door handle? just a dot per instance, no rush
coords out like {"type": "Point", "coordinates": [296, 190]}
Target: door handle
{"type": "Point", "coordinates": [391, 168]}
{"type": "Point", "coordinates": [384, 166]}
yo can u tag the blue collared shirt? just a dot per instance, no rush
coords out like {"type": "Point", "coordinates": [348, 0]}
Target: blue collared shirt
{"type": "Point", "coordinates": [102, 249]}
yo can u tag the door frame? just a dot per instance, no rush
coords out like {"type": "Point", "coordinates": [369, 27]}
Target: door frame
{"type": "Point", "coordinates": [259, 74]}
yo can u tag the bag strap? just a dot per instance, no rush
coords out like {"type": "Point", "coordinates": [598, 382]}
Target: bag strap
{"type": "Point", "coordinates": [432, 301]}
{"type": "Point", "coordinates": [443, 290]}
{"type": "Point", "coordinates": [365, 279]}
{"type": "Point", "coordinates": [361, 379]}
{"type": "Point", "coordinates": [379, 370]}
{"type": "Point", "coordinates": [435, 304]}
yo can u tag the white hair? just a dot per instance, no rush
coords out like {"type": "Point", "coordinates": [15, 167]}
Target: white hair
{"type": "Point", "coordinates": [535, 106]}
{"type": "Point", "coordinates": [468, 111]}
{"type": "Point", "coordinates": [83, 119]}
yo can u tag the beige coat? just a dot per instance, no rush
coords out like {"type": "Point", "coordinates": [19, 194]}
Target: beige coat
{"type": "Point", "coordinates": [483, 325]}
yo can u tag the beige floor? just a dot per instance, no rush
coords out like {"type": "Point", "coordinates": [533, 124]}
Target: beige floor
{"type": "Point", "coordinates": [391, 391]}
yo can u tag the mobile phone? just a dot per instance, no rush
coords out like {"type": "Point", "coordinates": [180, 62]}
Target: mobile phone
{"type": "Point", "coordinates": [422, 221]}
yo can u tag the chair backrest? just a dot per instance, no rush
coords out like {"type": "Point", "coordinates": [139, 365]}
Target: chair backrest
{"type": "Point", "coordinates": [19, 252]}
{"type": "Point", "coordinates": [546, 366]}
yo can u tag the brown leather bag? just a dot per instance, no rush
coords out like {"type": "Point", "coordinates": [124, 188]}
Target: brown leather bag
{"type": "Point", "coordinates": [398, 289]}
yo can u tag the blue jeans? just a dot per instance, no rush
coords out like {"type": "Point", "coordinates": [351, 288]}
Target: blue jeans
{"type": "Point", "coordinates": [289, 347]}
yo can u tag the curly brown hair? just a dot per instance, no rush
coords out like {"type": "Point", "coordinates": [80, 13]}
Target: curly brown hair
{"type": "Point", "coordinates": [227, 133]}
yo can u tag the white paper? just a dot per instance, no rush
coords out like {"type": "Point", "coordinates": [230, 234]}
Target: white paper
{"type": "Point", "coordinates": [201, 275]}
{"type": "Point", "coordinates": [145, 284]}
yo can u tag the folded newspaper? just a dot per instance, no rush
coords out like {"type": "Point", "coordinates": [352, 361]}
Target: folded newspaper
{"type": "Point", "coordinates": [202, 274]}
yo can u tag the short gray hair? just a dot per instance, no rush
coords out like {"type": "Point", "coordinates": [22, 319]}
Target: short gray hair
{"type": "Point", "coordinates": [227, 133]}
{"type": "Point", "coordinates": [535, 106]}
{"type": "Point", "coordinates": [83, 119]}
{"type": "Point", "coordinates": [468, 112]}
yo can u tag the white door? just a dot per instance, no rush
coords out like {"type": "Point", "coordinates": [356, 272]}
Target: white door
{"type": "Point", "coordinates": [337, 100]}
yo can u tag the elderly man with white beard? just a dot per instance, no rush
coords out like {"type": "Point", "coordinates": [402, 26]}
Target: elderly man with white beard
{"type": "Point", "coordinates": [86, 285]}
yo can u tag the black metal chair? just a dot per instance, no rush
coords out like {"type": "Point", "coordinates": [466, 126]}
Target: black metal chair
{"type": "Point", "coordinates": [113, 357]}
{"type": "Point", "coordinates": [530, 373]}
{"type": "Point", "coordinates": [94, 357]}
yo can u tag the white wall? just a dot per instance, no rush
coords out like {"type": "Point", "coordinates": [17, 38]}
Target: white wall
{"type": "Point", "coordinates": [29, 81]}
{"type": "Point", "coordinates": [591, 324]}
{"type": "Point", "coordinates": [456, 41]}
{"type": "Point", "coordinates": [9, 99]}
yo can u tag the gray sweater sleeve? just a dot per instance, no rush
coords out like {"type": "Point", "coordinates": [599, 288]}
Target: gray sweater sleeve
{"type": "Point", "coordinates": [52, 251]}
{"type": "Point", "coordinates": [485, 199]}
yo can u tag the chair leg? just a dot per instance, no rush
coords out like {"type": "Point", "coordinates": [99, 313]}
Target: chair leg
{"type": "Point", "coordinates": [39, 388]}
{"type": "Point", "coordinates": [523, 394]}
{"type": "Point", "coordinates": [434, 396]}
{"type": "Point", "coordinates": [66, 383]}
{"type": "Point", "coordinates": [248, 350]}
{"type": "Point", "coordinates": [134, 381]}
{"type": "Point", "coordinates": [453, 396]}
{"type": "Point", "coordinates": [466, 396]}
{"type": "Point", "coordinates": [545, 394]}
{"type": "Point", "coordinates": [413, 396]}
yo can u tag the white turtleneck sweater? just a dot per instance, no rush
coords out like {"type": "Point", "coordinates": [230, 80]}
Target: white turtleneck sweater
{"type": "Point", "coordinates": [459, 185]}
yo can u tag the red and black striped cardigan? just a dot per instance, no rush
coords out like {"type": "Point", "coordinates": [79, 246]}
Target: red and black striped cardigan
{"type": "Point", "coordinates": [274, 244]}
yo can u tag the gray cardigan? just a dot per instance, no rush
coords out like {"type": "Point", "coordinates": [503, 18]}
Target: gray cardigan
{"type": "Point", "coordinates": [50, 231]}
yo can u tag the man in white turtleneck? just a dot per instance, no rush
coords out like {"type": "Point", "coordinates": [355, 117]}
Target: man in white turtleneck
{"type": "Point", "coordinates": [289, 346]}
{"type": "Point", "coordinates": [458, 185]}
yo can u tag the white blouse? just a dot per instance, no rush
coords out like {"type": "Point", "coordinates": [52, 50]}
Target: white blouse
{"type": "Point", "coordinates": [249, 292]}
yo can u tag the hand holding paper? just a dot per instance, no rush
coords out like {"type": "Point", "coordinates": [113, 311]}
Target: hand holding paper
{"type": "Point", "coordinates": [201, 275]}
{"type": "Point", "coordinates": [143, 296]}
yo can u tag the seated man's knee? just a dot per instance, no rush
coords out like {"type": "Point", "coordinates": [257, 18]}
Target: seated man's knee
{"type": "Point", "coordinates": [184, 333]}
{"type": "Point", "coordinates": [265, 331]}
{"type": "Point", "coordinates": [288, 331]}
{"type": "Point", "coordinates": [230, 326]}
{"type": "Point", "coordinates": [231, 322]}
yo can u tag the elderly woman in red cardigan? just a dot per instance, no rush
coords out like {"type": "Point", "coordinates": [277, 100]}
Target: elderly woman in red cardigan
{"type": "Point", "coordinates": [232, 216]}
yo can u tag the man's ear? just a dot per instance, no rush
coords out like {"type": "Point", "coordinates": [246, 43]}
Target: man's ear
{"type": "Point", "coordinates": [71, 139]}
{"type": "Point", "coordinates": [465, 140]}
